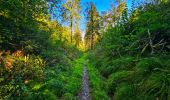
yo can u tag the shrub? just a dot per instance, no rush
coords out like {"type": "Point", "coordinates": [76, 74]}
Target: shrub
{"type": "Point", "coordinates": [118, 77]}
{"type": "Point", "coordinates": [124, 63]}
{"type": "Point", "coordinates": [17, 72]}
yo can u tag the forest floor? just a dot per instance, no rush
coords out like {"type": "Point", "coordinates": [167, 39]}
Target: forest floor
{"type": "Point", "coordinates": [85, 93]}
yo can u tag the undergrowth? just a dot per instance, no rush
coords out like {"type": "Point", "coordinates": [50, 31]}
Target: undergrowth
{"type": "Point", "coordinates": [98, 87]}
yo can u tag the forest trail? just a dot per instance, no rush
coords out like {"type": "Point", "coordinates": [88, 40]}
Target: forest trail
{"type": "Point", "coordinates": [85, 93]}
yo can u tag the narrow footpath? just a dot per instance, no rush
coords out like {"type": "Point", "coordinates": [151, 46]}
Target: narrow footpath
{"type": "Point", "coordinates": [85, 94]}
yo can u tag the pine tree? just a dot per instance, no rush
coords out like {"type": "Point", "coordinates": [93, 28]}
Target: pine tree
{"type": "Point", "coordinates": [92, 25]}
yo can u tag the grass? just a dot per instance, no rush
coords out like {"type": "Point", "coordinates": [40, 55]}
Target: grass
{"type": "Point", "coordinates": [73, 81]}
{"type": "Point", "coordinates": [98, 87]}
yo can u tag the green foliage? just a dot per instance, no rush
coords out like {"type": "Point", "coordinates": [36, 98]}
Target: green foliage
{"type": "Point", "coordinates": [98, 87]}
{"type": "Point", "coordinates": [133, 55]}
{"type": "Point", "coordinates": [125, 63]}
{"type": "Point", "coordinates": [130, 61]}
{"type": "Point", "coordinates": [124, 90]}
{"type": "Point", "coordinates": [35, 54]}
{"type": "Point", "coordinates": [117, 78]}
{"type": "Point", "coordinates": [19, 24]}
{"type": "Point", "coordinates": [17, 72]}
{"type": "Point", "coordinates": [74, 79]}
{"type": "Point", "coordinates": [92, 27]}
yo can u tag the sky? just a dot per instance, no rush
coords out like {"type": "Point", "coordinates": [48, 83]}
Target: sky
{"type": "Point", "coordinates": [101, 5]}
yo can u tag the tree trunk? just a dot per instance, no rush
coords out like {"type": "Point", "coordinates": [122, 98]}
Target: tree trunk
{"type": "Point", "coordinates": [71, 26]}
{"type": "Point", "coordinates": [92, 41]}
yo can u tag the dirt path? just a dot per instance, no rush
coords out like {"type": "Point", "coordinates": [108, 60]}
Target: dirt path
{"type": "Point", "coordinates": [85, 95]}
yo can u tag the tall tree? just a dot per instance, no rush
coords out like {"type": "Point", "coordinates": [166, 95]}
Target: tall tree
{"type": "Point", "coordinates": [92, 27]}
{"type": "Point", "coordinates": [72, 13]}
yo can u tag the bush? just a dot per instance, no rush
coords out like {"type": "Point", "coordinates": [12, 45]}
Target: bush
{"type": "Point", "coordinates": [116, 78]}
{"type": "Point", "coordinates": [18, 71]}
{"type": "Point", "coordinates": [124, 63]}
{"type": "Point", "coordinates": [125, 91]}
{"type": "Point", "coordinates": [98, 87]}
